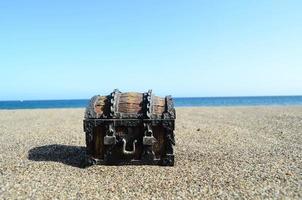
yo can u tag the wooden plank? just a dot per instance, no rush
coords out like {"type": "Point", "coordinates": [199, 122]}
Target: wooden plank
{"type": "Point", "coordinates": [130, 102]}
{"type": "Point", "coordinates": [99, 106]}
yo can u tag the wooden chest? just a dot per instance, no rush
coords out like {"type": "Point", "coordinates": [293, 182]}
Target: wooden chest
{"type": "Point", "coordinates": [131, 127]}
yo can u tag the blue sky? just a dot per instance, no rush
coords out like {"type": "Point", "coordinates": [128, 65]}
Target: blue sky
{"type": "Point", "coordinates": [75, 49]}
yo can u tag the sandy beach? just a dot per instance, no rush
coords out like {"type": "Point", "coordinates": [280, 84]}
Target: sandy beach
{"type": "Point", "coordinates": [221, 152]}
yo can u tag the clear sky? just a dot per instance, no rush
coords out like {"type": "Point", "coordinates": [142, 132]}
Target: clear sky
{"type": "Point", "coordinates": [75, 49]}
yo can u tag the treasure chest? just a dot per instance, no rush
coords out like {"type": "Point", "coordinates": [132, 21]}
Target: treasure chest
{"type": "Point", "coordinates": [130, 128]}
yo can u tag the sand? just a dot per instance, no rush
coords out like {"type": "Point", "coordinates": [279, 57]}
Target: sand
{"type": "Point", "coordinates": [221, 152]}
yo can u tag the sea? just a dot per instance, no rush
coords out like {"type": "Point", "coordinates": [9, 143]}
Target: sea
{"type": "Point", "coordinates": [178, 101]}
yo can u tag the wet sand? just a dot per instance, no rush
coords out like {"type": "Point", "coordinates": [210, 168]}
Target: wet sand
{"type": "Point", "coordinates": [221, 152]}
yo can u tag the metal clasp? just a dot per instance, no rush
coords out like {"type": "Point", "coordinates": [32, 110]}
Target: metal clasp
{"type": "Point", "coordinates": [148, 139]}
{"type": "Point", "coordinates": [110, 138]}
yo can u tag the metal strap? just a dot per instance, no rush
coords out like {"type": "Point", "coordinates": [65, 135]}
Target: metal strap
{"type": "Point", "coordinates": [148, 104]}
{"type": "Point", "coordinates": [113, 103]}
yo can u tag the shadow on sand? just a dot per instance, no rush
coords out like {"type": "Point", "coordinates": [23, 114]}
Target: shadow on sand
{"type": "Point", "coordinates": [68, 155]}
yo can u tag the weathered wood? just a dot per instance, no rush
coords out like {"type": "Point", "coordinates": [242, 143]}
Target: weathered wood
{"type": "Point", "coordinates": [130, 103]}
{"type": "Point", "coordinates": [99, 105]}
{"type": "Point", "coordinates": [158, 105]}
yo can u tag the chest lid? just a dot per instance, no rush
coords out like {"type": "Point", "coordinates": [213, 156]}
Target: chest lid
{"type": "Point", "coordinates": [130, 105]}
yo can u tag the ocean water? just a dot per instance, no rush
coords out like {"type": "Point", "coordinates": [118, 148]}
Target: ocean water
{"type": "Point", "coordinates": [179, 102]}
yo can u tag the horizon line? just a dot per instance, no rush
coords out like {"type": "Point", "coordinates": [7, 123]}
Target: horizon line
{"type": "Point", "coordinates": [175, 97]}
